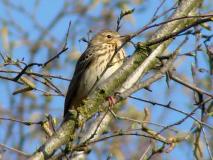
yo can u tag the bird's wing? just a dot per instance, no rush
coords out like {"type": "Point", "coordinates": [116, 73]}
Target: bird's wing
{"type": "Point", "coordinates": [83, 63]}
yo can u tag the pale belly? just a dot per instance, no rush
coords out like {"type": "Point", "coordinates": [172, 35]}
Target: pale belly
{"type": "Point", "coordinates": [95, 76]}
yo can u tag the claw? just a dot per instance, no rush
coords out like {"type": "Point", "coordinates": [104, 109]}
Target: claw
{"type": "Point", "coordinates": [112, 100]}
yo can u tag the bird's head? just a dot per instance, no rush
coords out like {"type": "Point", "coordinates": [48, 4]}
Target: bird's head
{"type": "Point", "coordinates": [108, 37]}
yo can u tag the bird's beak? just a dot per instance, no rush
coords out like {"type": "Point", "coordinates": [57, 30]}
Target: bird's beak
{"type": "Point", "coordinates": [124, 38]}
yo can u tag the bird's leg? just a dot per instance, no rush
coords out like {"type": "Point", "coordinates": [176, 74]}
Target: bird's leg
{"type": "Point", "coordinates": [112, 101]}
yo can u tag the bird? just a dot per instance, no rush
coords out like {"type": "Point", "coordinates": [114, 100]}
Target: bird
{"type": "Point", "coordinates": [98, 62]}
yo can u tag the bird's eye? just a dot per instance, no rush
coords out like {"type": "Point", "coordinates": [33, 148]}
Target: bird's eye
{"type": "Point", "coordinates": [109, 36]}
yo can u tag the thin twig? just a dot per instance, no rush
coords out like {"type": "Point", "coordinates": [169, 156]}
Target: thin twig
{"type": "Point", "coordinates": [172, 108]}
{"type": "Point", "coordinates": [174, 34]}
{"type": "Point", "coordinates": [127, 134]}
{"type": "Point", "coordinates": [182, 120]}
{"type": "Point", "coordinates": [27, 123]}
{"type": "Point", "coordinates": [35, 74]}
{"type": "Point", "coordinates": [140, 122]}
{"type": "Point", "coordinates": [188, 85]}
{"type": "Point", "coordinates": [48, 61]}
{"type": "Point", "coordinates": [168, 21]}
{"type": "Point", "coordinates": [207, 144]}
{"type": "Point", "coordinates": [14, 150]}
{"type": "Point", "coordinates": [156, 12]}
{"type": "Point", "coordinates": [122, 15]}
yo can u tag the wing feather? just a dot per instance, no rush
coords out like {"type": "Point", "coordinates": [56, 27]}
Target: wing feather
{"type": "Point", "coordinates": [81, 66]}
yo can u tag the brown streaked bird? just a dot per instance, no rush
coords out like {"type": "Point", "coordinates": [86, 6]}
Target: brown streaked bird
{"type": "Point", "coordinates": [92, 66]}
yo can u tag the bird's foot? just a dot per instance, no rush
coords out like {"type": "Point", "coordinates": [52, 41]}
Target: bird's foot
{"type": "Point", "coordinates": [112, 101]}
